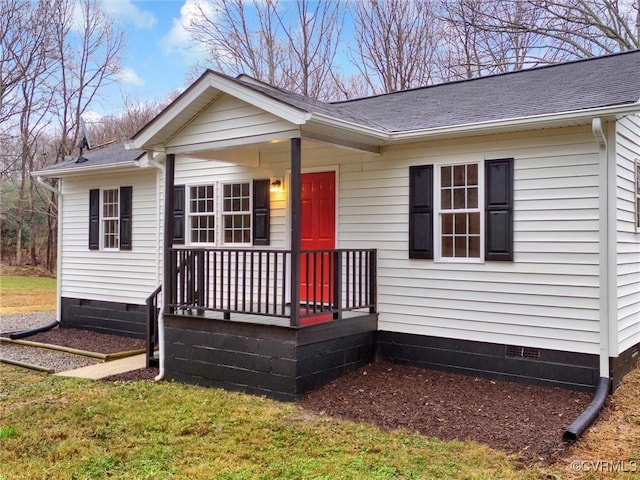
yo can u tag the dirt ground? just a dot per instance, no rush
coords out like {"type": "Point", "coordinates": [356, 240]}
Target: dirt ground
{"type": "Point", "coordinates": [520, 419]}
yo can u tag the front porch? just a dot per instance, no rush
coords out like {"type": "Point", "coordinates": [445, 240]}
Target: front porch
{"type": "Point", "coordinates": [229, 320]}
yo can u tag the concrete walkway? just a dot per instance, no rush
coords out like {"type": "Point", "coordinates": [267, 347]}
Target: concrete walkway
{"type": "Point", "coordinates": [106, 369]}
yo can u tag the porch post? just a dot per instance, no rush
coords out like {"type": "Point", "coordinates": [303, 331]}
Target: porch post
{"type": "Point", "coordinates": [168, 277]}
{"type": "Point", "coordinates": [296, 206]}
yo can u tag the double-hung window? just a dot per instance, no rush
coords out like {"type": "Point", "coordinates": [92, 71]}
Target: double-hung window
{"type": "Point", "coordinates": [236, 213]}
{"type": "Point", "coordinates": [111, 218]}
{"type": "Point", "coordinates": [202, 220]}
{"type": "Point", "coordinates": [220, 214]}
{"type": "Point", "coordinates": [460, 212]}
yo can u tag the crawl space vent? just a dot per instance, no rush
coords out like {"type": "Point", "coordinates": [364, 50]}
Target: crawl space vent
{"type": "Point", "coordinates": [514, 351]}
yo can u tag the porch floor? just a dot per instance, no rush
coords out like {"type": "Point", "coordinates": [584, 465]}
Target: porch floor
{"type": "Point", "coordinates": [306, 319]}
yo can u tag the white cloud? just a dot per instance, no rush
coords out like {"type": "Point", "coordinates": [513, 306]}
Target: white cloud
{"type": "Point", "coordinates": [129, 76]}
{"type": "Point", "coordinates": [121, 10]}
{"type": "Point", "coordinates": [179, 41]}
{"type": "Point", "coordinates": [128, 12]}
{"type": "Point", "coordinates": [91, 116]}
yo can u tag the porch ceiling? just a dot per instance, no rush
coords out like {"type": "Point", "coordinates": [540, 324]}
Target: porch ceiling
{"type": "Point", "coordinates": [249, 154]}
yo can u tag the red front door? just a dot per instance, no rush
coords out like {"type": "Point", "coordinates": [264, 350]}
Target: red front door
{"type": "Point", "coordinates": [317, 232]}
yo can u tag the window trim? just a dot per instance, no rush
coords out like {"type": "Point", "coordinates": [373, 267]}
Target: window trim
{"type": "Point", "coordinates": [438, 211]}
{"type": "Point", "coordinates": [217, 214]}
{"type": "Point", "coordinates": [189, 215]}
{"type": "Point", "coordinates": [224, 214]}
{"type": "Point", "coordinates": [104, 219]}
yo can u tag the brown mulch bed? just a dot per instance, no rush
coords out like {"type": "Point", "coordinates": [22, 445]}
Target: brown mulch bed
{"type": "Point", "coordinates": [145, 374]}
{"type": "Point", "coordinates": [520, 419]}
{"type": "Point", "coordinates": [88, 340]}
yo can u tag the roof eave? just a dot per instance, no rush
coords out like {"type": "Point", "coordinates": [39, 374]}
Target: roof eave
{"type": "Point", "coordinates": [531, 122]}
{"type": "Point", "coordinates": [87, 170]}
{"type": "Point", "coordinates": [380, 137]}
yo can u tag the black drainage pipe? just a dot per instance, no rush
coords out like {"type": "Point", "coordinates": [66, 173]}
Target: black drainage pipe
{"type": "Point", "coordinates": [33, 331]}
{"type": "Point", "coordinates": [586, 418]}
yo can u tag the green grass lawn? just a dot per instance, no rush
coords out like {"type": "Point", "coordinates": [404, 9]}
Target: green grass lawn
{"type": "Point", "coordinates": [53, 427]}
{"type": "Point", "coordinates": [20, 294]}
{"type": "Point", "coordinates": [62, 428]}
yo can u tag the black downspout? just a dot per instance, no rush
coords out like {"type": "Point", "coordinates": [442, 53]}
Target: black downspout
{"type": "Point", "coordinates": [33, 331]}
{"type": "Point", "coordinates": [586, 418]}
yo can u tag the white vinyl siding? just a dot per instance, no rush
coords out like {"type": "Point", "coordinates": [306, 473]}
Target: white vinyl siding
{"type": "Point", "coordinates": [547, 297]}
{"type": "Point", "coordinates": [110, 275]}
{"type": "Point", "coordinates": [628, 238]}
{"type": "Point", "coordinates": [229, 118]}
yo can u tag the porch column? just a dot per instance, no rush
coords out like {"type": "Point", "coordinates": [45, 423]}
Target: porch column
{"type": "Point", "coordinates": [168, 277]}
{"type": "Point", "coordinates": [296, 207]}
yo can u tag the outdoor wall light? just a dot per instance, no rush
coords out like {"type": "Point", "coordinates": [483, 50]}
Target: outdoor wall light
{"type": "Point", "coordinates": [276, 185]}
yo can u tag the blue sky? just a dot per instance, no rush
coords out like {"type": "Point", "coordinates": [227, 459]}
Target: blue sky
{"type": "Point", "coordinates": [158, 53]}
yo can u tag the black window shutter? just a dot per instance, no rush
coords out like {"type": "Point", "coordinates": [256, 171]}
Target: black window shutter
{"type": "Point", "coordinates": [94, 219]}
{"type": "Point", "coordinates": [126, 209]}
{"type": "Point", "coordinates": [421, 211]}
{"type": "Point", "coordinates": [261, 212]}
{"type": "Point", "coordinates": [179, 205]}
{"type": "Point", "coordinates": [499, 209]}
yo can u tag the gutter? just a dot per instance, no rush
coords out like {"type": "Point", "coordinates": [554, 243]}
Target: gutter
{"type": "Point", "coordinates": [586, 418]}
{"type": "Point", "coordinates": [112, 168]}
{"type": "Point", "coordinates": [473, 128]}
{"type": "Point", "coordinates": [58, 193]}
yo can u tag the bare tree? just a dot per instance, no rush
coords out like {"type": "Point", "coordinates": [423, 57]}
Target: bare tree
{"type": "Point", "coordinates": [477, 43]}
{"type": "Point", "coordinates": [25, 53]}
{"type": "Point", "coordinates": [289, 45]}
{"type": "Point", "coordinates": [234, 44]}
{"type": "Point", "coordinates": [25, 96]}
{"type": "Point", "coordinates": [88, 47]}
{"type": "Point", "coordinates": [396, 43]}
{"type": "Point", "coordinates": [56, 57]}
{"type": "Point", "coordinates": [122, 126]}
{"type": "Point", "coordinates": [568, 29]}
{"type": "Point", "coordinates": [584, 28]}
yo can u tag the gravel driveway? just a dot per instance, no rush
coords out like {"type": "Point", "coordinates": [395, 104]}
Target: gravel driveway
{"type": "Point", "coordinates": [24, 321]}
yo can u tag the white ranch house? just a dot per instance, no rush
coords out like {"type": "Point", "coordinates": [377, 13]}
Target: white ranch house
{"type": "Point", "coordinates": [488, 226]}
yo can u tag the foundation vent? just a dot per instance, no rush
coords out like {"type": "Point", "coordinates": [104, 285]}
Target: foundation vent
{"type": "Point", "coordinates": [514, 351]}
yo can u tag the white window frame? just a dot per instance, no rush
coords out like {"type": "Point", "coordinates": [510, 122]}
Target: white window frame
{"type": "Point", "coordinates": [224, 214]}
{"type": "Point", "coordinates": [218, 214]}
{"type": "Point", "coordinates": [439, 211]}
{"type": "Point", "coordinates": [104, 231]}
{"type": "Point", "coordinates": [190, 214]}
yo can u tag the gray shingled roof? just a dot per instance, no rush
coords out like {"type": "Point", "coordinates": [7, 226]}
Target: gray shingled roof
{"type": "Point", "coordinates": [109, 155]}
{"type": "Point", "coordinates": [580, 85]}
